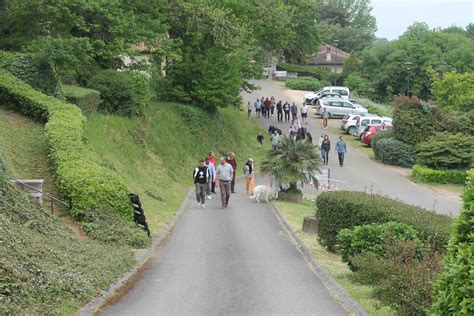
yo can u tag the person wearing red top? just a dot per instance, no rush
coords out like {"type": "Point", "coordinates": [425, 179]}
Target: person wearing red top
{"type": "Point", "coordinates": [233, 162]}
{"type": "Point", "coordinates": [268, 105]}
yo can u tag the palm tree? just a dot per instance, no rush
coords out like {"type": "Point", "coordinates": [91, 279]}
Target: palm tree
{"type": "Point", "coordinates": [292, 162]}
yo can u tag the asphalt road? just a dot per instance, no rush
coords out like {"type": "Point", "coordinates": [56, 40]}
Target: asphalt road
{"type": "Point", "coordinates": [361, 173]}
{"type": "Point", "coordinates": [236, 261]}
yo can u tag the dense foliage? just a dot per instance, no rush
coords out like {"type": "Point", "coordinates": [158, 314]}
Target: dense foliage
{"type": "Point", "coordinates": [371, 239]}
{"type": "Point", "coordinates": [381, 135]}
{"type": "Point", "coordinates": [454, 91]}
{"type": "Point", "coordinates": [403, 278]}
{"type": "Point", "coordinates": [123, 93]}
{"type": "Point", "coordinates": [45, 268]}
{"type": "Point", "coordinates": [391, 151]}
{"type": "Point", "coordinates": [398, 66]}
{"type": "Point", "coordinates": [83, 181]}
{"type": "Point", "coordinates": [454, 291]}
{"type": "Point", "coordinates": [303, 83]}
{"type": "Point", "coordinates": [345, 209]}
{"type": "Point", "coordinates": [413, 119]}
{"type": "Point", "coordinates": [447, 151]}
{"type": "Point", "coordinates": [38, 75]}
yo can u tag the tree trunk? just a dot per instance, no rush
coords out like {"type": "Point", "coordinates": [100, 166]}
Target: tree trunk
{"type": "Point", "coordinates": [309, 225]}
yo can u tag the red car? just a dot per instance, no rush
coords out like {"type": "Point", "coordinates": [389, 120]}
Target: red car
{"type": "Point", "coordinates": [372, 130]}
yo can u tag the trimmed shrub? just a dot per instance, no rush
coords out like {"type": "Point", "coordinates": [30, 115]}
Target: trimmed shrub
{"type": "Point", "coordinates": [454, 291]}
{"type": "Point", "coordinates": [371, 238]}
{"type": "Point", "coordinates": [117, 92]}
{"type": "Point", "coordinates": [79, 175]}
{"type": "Point", "coordinates": [394, 152]}
{"type": "Point", "coordinates": [447, 151]}
{"type": "Point", "coordinates": [142, 90]}
{"type": "Point", "coordinates": [303, 83]}
{"type": "Point", "coordinates": [381, 135]}
{"type": "Point", "coordinates": [347, 209]}
{"type": "Point", "coordinates": [402, 279]}
{"type": "Point", "coordinates": [40, 77]}
{"type": "Point", "coordinates": [426, 174]}
{"type": "Point", "coordinates": [412, 119]}
{"type": "Point", "coordinates": [315, 72]}
{"type": "Point", "coordinates": [87, 100]}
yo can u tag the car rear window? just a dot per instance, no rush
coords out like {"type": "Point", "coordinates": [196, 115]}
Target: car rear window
{"type": "Point", "coordinates": [341, 92]}
{"type": "Point", "coordinates": [364, 122]}
{"type": "Point", "coordinates": [376, 122]}
{"type": "Point", "coordinates": [336, 104]}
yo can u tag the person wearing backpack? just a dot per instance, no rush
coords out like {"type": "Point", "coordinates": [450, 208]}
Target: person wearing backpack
{"type": "Point", "coordinates": [200, 176]}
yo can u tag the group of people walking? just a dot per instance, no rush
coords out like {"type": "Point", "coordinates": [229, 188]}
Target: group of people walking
{"type": "Point", "coordinates": [207, 177]}
{"type": "Point", "coordinates": [325, 148]}
{"type": "Point", "coordinates": [265, 107]}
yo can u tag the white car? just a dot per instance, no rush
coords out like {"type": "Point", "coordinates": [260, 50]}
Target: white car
{"type": "Point", "coordinates": [339, 107]}
{"type": "Point", "coordinates": [349, 122]}
{"type": "Point", "coordinates": [363, 121]}
{"type": "Point", "coordinates": [312, 97]}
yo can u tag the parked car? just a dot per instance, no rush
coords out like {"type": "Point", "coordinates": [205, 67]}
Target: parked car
{"type": "Point", "coordinates": [338, 107]}
{"type": "Point", "coordinates": [312, 97]}
{"type": "Point", "coordinates": [326, 95]}
{"type": "Point", "coordinates": [362, 122]}
{"type": "Point", "coordinates": [371, 130]}
{"type": "Point", "coordinates": [349, 122]}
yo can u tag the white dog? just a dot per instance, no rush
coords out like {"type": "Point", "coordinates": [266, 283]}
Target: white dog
{"type": "Point", "coordinates": [264, 191]}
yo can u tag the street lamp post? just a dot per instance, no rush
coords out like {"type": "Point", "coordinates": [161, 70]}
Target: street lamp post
{"type": "Point", "coordinates": [335, 61]}
{"type": "Point", "coordinates": [408, 63]}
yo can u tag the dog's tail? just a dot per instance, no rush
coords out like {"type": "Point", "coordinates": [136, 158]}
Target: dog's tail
{"type": "Point", "coordinates": [253, 196]}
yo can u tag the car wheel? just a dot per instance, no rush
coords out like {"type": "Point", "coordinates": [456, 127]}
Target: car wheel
{"type": "Point", "coordinates": [351, 130]}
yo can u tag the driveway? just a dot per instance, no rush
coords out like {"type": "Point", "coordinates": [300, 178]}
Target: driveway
{"type": "Point", "coordinates": [361, 173]}
{"type": "Point", "coordinates": [235, 261]}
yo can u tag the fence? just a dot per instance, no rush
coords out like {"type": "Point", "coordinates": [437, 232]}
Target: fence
{"type": "Point", "coordinates": [325, 183]}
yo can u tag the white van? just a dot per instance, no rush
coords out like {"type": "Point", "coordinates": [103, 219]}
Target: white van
{"type": "Point", "coordinates": [312, 97]}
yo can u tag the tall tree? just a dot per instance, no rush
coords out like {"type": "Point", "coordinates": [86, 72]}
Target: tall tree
{"type": "Point", "coordinates": [348, 21]}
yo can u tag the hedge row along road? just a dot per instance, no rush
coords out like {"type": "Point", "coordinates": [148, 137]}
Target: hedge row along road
{"type": "Point", "coordinates": [359, 171]}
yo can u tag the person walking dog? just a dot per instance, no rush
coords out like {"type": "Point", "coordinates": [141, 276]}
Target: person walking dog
{"type": "Point", "coordinates": [341, 149]}
{"type": "Point", "coordinates": [224, 173]}
{"type": "Point", "coordinates": [200, 176]}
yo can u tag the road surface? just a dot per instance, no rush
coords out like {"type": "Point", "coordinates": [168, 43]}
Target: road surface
{"type": "Point", "coordinates": [360, 172]}
{"type": "Point", "coordinates": [237, 261]}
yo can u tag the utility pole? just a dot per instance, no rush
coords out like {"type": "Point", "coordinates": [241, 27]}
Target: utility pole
{"type": "Point", "coordinates": [408, 63]}
{"type": "Point", "coordinates": [335, 61]}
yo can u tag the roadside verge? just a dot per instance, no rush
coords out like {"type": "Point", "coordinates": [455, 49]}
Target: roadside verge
{"type": "Point", "coordinates": [335, 290]}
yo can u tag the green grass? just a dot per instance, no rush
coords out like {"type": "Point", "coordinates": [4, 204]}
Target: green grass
{"type": "Point", "coordinates": [332, 263]}
{"type": "Point", "coordinates": [374, 107]}
{"type": "Point", "coordinates": [23, 148]}
{"type": "Point", "coordinates": [155, 154]}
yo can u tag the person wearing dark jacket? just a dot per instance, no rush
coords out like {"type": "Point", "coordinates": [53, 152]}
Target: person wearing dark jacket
{"type": "Point", "coordinates": [325, 148]}
{"type": "Point", "coordinates": [233, 162]}
{"type": "Point", "coordinates": [201, 178]}
{"type": "Point", "coordinates": [279, 107]}
{"type": "Point", "coordinates": [286, 109]}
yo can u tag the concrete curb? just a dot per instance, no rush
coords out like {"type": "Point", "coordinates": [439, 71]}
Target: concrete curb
{"type": "Point", "coordinates": [335, 290]}
{"type": "Point", "coordinates": [94, 306]}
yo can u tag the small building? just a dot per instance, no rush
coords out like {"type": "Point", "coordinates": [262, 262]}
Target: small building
{"type": "Point", "coordinates": [329, 57]}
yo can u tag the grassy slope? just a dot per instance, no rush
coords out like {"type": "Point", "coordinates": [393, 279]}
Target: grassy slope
{"type": "Point", "coordinates": [332, 263]}
{"type": "Point", "coordinates": [54, 270]}
{"type": "Point", "coordinates": [24, 149]}
{"type": "Point", "coordinates": [156, 154]}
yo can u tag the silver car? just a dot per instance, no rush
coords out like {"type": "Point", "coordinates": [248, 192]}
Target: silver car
{"type": "Point", "coordinates": [337, 107]}
{"type": "Point", "coordinates": [362, 123]}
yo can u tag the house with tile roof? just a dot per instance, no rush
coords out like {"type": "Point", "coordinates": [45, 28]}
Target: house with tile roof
{"type": "Point", "coordinates": [329, 57]}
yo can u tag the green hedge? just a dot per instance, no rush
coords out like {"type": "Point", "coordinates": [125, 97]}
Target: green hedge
{"type": "Point", "coordinates": [426, 174]}
{"type": "Point", "coordinates": [346, 209]}
{"type": "Point", "coordinates": [315, 72]}
{"type": "Point", "coordinates": [454, 291]}
{"type": "Point", "coordinates": [303, 83]}
{"type": "Point", "coordinates": [447, 151]}
{"type": "Point", "coordinates": [87, 100]}
{"type": "Point", "coordinates": [372, 238]}
{"type": "Point", "coordinates": [79, 175]}
{"type": "Point", "coordinates": [381, 135]}
{"type": "Point", "coordinates": [394, 152]}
